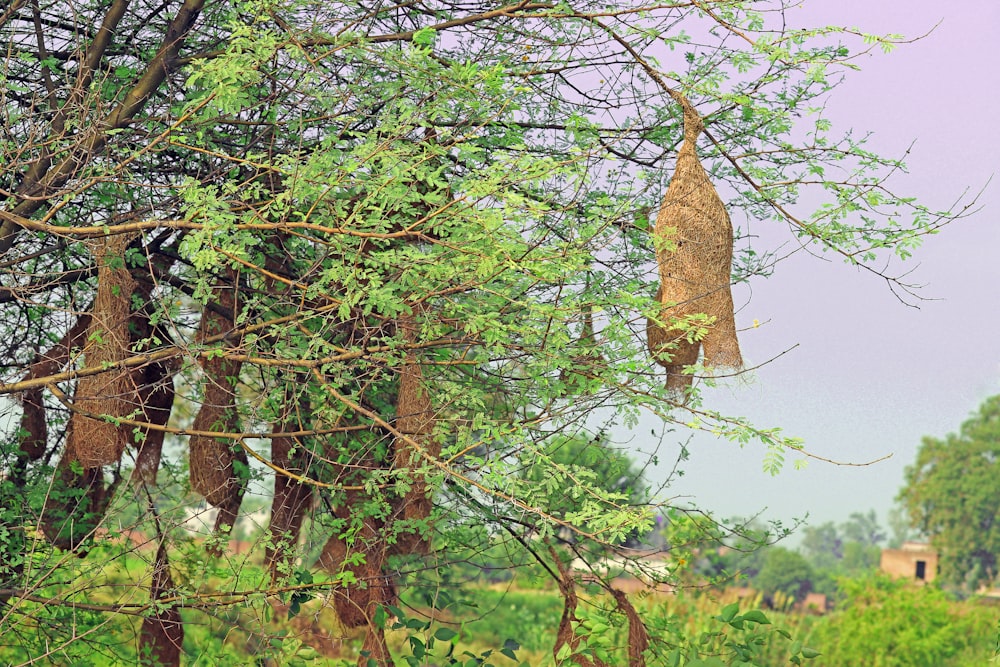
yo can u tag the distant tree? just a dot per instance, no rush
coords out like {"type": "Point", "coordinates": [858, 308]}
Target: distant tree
{"type": "Point", "coordinates": [951, 494]}
{"type": "Point", "coordinates": [900, 526]}
{"type": "Point", "coordinates": [853, 546]}
{"type": "Point", "coordinates": [785, 571]}
{"type": "Point", "coordinates": [823, 546]}
{"type": "Point", "coordinates": [863, 529]}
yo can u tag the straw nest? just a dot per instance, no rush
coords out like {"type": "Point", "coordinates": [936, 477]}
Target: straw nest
{"type": "Point", "coordinates": [76, 503]}
{"type": "Point", "coordinates": [566, 634]}
{"type": "Point", "coordinates": [291, 497]}
{"type": "Point", "coordinates": [153, 393]}
{"type": "Point", "coordinates": [162, 634]}
{"type": "Point", "coordinates": [590, 358]}
{"type": "Point", "coordinates": [155, 396]}
{"type": "Point", "coordinates": [638, 637]}
{"type": "Point", "coordinates": [34, 426]}
{"type": "Point", "coordinates": [99, 442]}
{"type": "Point", "coordinates": [213, 460]}
{"type": "Point", "coordinates": [416, 446]}
{"type": "Point", "coordinates": [693, 236]}
{"type": "Point", "coordinates": [356, 603]}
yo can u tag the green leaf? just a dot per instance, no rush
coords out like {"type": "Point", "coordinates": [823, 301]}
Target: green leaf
{"type": "Point", "coordinates": [424, 36]}
{"type": "Point", "coordinates": [729, 612]}
{"type": "Point", "coordinates": [756, 616]}
{"type": "Point", "coordinates": [445, 634]}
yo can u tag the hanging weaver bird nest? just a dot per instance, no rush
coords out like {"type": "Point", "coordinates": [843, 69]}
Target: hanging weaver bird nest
{"type": "Point", "coordinates": [591, 357]}
{"type": "Point", "coordinates": [213, 460]}
{"type": "Point", "coordinates": [291, 497]}
{"type": "Point", "coordinates": [99, 442]}
{"type": "Point", "coordinates": [33, 422]}
{"type": "Point", "coordinates": [162, 634]}
{"type": "Point", "coordinates": [76, 503]}
{"type": "Point", "coordinates": [357, 602]}
{"type": "Point", "coordinates": [693, 237]}
{"type": "Point", "coordinates": [570, 623]}
{"type": "Point", "coordinates": [416, 446]}
{"type": "Point", "coordinates": [638, 637]}
{"type": "Point", "coordinates": [155, 394]}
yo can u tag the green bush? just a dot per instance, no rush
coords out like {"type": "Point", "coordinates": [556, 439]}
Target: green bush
{"type": "Point", "coordinates": [883, 622]}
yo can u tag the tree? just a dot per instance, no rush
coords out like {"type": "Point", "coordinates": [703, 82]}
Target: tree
{"type": "Point", "coordinates": [567, 463]}
{"type": "Point", "coordinates": [950, 495]}
{"type": "Point", "coordinates": [852, 547]}
{"type": "Point", "coordinates": [823, 546]}
{"type": "Point", "coordinates": [893, 623]}
{"type": "Point", "coordinates": [372, 258]}
{"type": "Point", "coordinates": [786, 572]}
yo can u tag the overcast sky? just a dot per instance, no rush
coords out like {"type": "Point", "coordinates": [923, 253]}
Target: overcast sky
{"type": "Point", "coordinates": [870, 376]}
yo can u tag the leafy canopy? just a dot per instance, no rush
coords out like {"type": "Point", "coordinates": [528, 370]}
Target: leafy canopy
{"type": "Point", "coordinates": [950, 495]}
{"type": "Point", "coordinates": [369, 261]}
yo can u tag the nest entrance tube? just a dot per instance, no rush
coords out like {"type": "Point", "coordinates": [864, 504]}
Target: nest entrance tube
{"type": "Point", "coordinates": [693, 236]}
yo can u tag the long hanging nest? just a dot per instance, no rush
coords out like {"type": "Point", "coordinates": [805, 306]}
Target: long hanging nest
{"type": "Point", "coordinates": [152, 396]}
{"type": "Point", "coordinates": [291, 497]}
{"type": "Point", "coordinates": [638, 637]}
{"type": "Point", "coordinates": [356, 603]}
{"type": "Point", "coordinates": [34, 429]}
{"type": "Point", "coordinates": [99, 442]}
{"type": "Point", "coordinates": [161, 637]}
{"type": "Point", "coordinates": [566, 633]}
{"type": "Point", "coordinates": [76, 503]}
{"type": "Point", "coordinates": [155, 396]}
{"type": "Point", "coordinates": [693, 236]}
{"type": "Point", "coordinates": [360, 537]}
{"type": "Point", "coordinates": [415, 422]}
{"type": "Point", "coordinates": [590, 357]}
{"type": "Point", "coordinates": [214, 462]}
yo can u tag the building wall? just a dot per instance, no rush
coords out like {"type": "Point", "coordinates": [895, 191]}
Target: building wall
{"type": "Point", "coordinates": [913, 561]}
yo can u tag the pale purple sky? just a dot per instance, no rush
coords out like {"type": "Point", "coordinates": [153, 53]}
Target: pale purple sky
{"type": "Point", "coordinates": [871, 376]}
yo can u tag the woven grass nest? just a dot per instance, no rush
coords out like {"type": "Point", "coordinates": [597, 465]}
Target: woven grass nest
{"type": "Point", "coordinates": [693, 237]}
{"type": "Point", "coordinates": [356, 603]}
{"type": "Point", "coordinates": [97, 442]}
{"type": "Point", "coordinates": [291, 497]}
{"type": "Point", "coordinates": [213, 460]}
{"type": "Point", "coordinates": [415, 422]}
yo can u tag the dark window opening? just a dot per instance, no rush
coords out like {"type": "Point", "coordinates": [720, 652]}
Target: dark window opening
{"type": "Point", "coordinates": [921, 569]}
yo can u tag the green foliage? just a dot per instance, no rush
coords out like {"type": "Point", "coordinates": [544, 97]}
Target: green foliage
{"type": "Point", "coordinates": [883, 622]}
{"type": "Point", "coordinates": [853, 548]}
{"type": "Point", "coordinates": [334, 206]}
{"type": "Point", "coordinates": [950, 495]}
{"type": "Point", "coordinates": [784, 571]}
{"type": "Point", "coordinates": [530, 617]}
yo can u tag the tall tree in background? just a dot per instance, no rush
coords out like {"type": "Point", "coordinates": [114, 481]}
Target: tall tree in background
{"type": "Point", "coordinates": [951, 496]}
{"type": "Point", "coordinates": [376, 257]}
{"type": "Point", "coordinates": [853, 546]}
